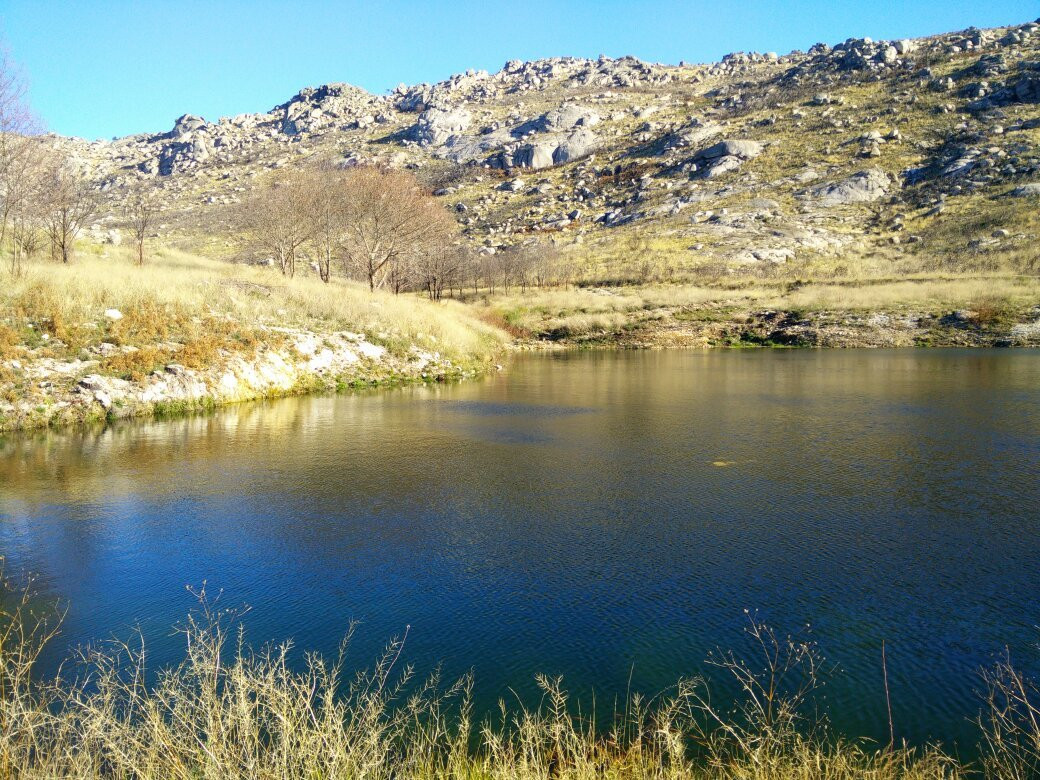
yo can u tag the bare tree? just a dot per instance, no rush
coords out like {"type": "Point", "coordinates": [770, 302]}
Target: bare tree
{"type": "Point", "coordinates": [277, 218]}
{"type": "Point", "coordinates": [21, 153]}
{"type": "Point", "coordinates": [27, 239]}
{"type": "Point", "coordinates": [641, 258]}
{"type": "Point", "coordinates": [401, 275]}
{"type": "Point", "coordinates": [27, 228]}
{"type": "Point", "coordinates": [487, 269]}
{"type": "Point", "coordinates": [471, 271]}
{"type": "Point", "coordinates": [440, 268]}
{"type": "Point", "coordinates": [389, 221]}
{"type": "Point", "coordinates": [327, 217]}
{"type": "Point", "coordinates": [509, 263]}
{"type": "Point", "coordinates": [70, 202]}
{"type": "Point", "coordinates": [140, 211]}
{"type": "Point", "coordinates": [550, 268]}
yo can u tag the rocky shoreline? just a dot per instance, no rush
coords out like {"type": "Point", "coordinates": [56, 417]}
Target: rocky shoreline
{"type": "Point", "coordinates": [708, 328]}
{"type": "Point", "coordinates": [59, 393]}
{"type": "Point", "coordinates": [64, 393]}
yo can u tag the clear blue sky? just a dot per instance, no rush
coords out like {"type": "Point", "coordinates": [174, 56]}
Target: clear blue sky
{"type": "Point", "coordinates": [99, 68]}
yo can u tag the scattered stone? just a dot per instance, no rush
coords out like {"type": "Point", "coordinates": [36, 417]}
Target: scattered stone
{"type": "Point", "coordinates": [1031, 190]}
{"type": "Point", "coordinates": [724, 157]}
{"type": "Point", "coordinates": [743, 150]}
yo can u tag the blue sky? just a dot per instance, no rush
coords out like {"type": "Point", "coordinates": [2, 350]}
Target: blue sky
{"type": "Point", "coordinates": [104, 68]}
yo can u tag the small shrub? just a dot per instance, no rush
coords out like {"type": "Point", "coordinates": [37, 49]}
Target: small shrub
{"type": "Point", "coordinates": [134, 365]}
{"type": "Point", "coordinates": [8, 343]}
{"type": "Point", "coordinates": [991, 313]}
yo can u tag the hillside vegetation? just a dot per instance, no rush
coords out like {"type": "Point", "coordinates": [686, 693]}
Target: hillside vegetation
{"type": "Point", "coordinates": [940, 310]}
{"type": "Point", "coordinates": [101, 336]}
{"type": "Point", "coordinates": [868, 159]}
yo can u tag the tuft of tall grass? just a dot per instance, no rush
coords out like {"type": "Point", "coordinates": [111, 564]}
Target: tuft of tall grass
{"type": "Point", "coordinates": [229, 711]}
{"type": "Point", "coordinates": [1010, 723]}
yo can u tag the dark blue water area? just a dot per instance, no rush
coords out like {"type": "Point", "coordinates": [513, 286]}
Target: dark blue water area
{"type": "Point", "coordinates": [606, 517]}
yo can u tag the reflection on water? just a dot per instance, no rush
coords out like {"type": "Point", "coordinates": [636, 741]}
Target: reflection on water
{"type": "Point", "coordinates": [595, 515]}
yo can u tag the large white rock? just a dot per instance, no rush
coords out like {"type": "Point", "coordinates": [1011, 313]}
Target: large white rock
{"type": "Point", "coordinates": [1031, 190]}
{"type": "Point", "coordinates": [568, 116]}
{"type": "Point", "coordinates": [578, 144]}
{"type": "Point", "coordinates": [741, 149]}
{"type": "Point", "coordinates": [436, 125]}
{"type": "Point", "coordinates": [535, 156]}
{"type": "Point", "coordinates": [862, 187]}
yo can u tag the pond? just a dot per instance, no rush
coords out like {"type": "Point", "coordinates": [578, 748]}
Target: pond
{"type": "Point", "coordinates": [605, 516]}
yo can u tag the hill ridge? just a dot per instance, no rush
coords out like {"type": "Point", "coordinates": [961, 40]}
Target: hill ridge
{"type": "Point", "coordinates": [758, 163]}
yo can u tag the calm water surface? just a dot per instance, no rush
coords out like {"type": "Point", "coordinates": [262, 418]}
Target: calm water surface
{"type": "Point", "coordinates": [600, 516]}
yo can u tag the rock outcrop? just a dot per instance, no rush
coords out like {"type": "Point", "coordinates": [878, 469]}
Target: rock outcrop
{"type": "Point", "coordinates": [435, 126]}
{"type": "Point", "coordinates": [900, 126]}
{"type": "Point", "coordinates": [552, 150]}
{"type": "Point", "coordinates": [70, 391]}
{"type": "Point", "coordinates": [724, 157]}
{"type": "Point", "coordinates": [862, 187]}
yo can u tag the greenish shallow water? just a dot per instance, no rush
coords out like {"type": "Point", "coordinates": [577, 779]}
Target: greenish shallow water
{"type": "Point", "coordinates": [604, 516]}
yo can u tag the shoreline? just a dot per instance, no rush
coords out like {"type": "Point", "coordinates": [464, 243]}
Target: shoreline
{"type": "Point", "coordinates": [72, 393]}
{"type": "Point", "coordinates": [780, 328]}
{"type": "Point", "coordinates": [309, 363]}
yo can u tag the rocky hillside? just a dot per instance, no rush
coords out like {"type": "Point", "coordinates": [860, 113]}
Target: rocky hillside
{"type": "Point", "coordinates": [866, 158]}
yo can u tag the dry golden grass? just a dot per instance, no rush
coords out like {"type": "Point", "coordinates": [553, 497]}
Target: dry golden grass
{"type": "Point", "coordinates": [8, 341]}
{"type": "Point", "coordinates": [208, 306]}
{"type": "Point", "coordinates": [570, 312]}
{"type": "Point", "coordinates": [850, 294]}
{"type": "Point", "coordinates": [536, 305]}
{"type": "Point", "coordinates": [954, 292]}
{"type": "Point", "coordinates": [227, 711]}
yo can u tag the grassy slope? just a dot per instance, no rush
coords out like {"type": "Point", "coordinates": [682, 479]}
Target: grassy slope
{"type": "Point", "coordinates": [694, 284]}
{"type": "Point", "coordinates": [683, 314]}
{"type": "Point", "coordinates": [953, 255]}
{"type": "Point", "coordinates": [803, 137]}
{"type": "Point", "coordinates": [954, 262]}
{"type": "Point", "coordinates": [188, 309]}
